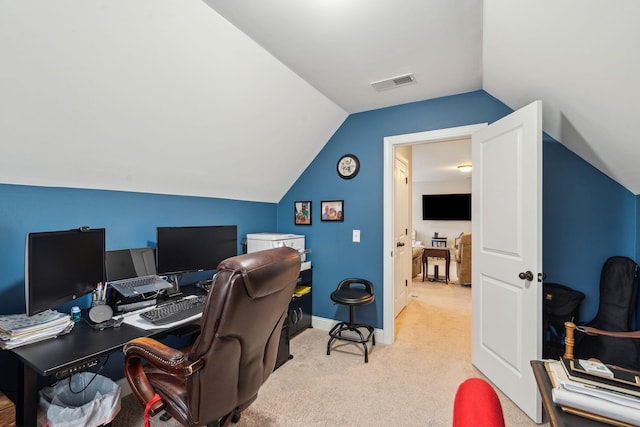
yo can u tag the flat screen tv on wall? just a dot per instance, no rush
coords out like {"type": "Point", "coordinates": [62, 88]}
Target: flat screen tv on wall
{"type": "Point", "coordinates": [446, 207]}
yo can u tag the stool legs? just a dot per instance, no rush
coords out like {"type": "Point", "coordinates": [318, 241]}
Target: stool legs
{"type": "Point", "coordinates": [336, 334]}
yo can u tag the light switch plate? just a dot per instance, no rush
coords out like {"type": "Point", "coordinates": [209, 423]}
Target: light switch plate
{"type": "Point", "coordinates": [356, 236]}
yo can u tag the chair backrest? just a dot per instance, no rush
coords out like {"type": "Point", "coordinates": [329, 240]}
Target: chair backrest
{"type": "Point", "coordinates": [240, 330]}
{"type": "Point", "coordinates": [477, 404]}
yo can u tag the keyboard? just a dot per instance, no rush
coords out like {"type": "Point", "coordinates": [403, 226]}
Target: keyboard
{"type": "Point", "coordinates": [175, 311]}
{"type": "Point", "coordinates": [136, 282]}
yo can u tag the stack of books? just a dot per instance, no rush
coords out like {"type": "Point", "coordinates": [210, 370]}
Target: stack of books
{"type": "Point", "coordinates": [17, 330]}
{"type": "Point", "coordinates": [595, 390]}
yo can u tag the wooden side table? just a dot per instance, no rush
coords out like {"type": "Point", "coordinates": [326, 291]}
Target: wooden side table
{"type": "Point", "coordinates": [436, 252]}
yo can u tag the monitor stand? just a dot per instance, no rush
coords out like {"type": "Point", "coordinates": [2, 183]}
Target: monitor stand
{"type": "Point", "coordinates": [175, 291]}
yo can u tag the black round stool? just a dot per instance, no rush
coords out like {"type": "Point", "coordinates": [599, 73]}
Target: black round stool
{"type": "Point", "coordinates": [353, 292]}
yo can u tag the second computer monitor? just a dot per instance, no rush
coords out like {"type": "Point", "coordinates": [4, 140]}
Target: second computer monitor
{"type": "Point", "coordinates": [185, 249]}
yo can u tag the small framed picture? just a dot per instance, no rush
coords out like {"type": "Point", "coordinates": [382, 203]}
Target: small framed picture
{"type": "Point", "coordinates": [332, 210]}
{"type": "Point", "coordinates": [302, 213]}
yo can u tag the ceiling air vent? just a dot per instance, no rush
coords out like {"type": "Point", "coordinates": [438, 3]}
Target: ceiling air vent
{"type": "Point", "coordinates": [392, 82]}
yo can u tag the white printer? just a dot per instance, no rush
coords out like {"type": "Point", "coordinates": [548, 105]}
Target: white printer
{"type": "Point", "coordinates": [262, 241]}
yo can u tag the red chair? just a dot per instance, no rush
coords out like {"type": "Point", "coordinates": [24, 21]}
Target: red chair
{"type": "Point", "coordinates": [477, 404]}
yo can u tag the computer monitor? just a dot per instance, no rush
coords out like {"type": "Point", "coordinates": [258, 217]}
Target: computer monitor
{"type": "Point", "coordinates": [187, 249]}
{"type": "Point", "coordinates": [61, 266]}
{"type": "Point", "coordinates": [128, 263]}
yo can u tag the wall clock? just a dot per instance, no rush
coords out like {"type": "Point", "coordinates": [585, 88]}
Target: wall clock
{"type": "Point", "coordinates": [348, 166]}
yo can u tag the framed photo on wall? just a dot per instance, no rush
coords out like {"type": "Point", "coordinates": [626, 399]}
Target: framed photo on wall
{"type": "Point", "coordinates": [332, 210]}
{"type": "Point", "coordinates": [302, 213]}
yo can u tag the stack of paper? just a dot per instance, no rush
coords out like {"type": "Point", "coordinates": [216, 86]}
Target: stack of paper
{"type": "Point", "coordinates": [617, 403]}
{"type": "Point", "coordinates": [19, 329]}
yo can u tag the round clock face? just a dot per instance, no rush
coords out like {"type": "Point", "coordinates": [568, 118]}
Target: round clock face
{"type": "Point", "coordinates": [348, 166]}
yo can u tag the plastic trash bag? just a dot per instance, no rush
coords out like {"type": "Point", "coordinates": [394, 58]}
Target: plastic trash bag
{"type": "Point", "coordinates": [62, 405]}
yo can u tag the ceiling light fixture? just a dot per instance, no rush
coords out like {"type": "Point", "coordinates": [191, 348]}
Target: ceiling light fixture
{"type": "Point", "coordinates": [464, 168]}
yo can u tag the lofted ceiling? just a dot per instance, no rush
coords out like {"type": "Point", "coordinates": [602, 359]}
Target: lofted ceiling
{"type": "Point", "coordinates": [578, 56]}
{"type": "Point", "coordinates": [202, 97]}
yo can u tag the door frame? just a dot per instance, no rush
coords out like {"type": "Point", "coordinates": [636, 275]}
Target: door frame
{"type": "Point", "coordinates": [390, 143]}
{"type": "Point", "coordinates": [399, 157]}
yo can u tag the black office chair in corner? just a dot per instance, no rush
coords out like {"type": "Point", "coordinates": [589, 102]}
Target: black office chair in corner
{"type": "Point", "coordinates": [353, 292]}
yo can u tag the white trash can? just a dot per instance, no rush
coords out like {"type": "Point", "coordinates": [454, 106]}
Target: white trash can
{"type": "Point", "coordinates": [84, 399]}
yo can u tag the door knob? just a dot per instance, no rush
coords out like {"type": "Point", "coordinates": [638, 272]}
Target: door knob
{"type": "Point", "coordinates": [528, 275]}
{"type": "Point", "coordinates": [400, 244]}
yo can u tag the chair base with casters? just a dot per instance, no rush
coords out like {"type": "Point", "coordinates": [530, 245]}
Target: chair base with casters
{"type": "Point", "coordinates": [353, 292]}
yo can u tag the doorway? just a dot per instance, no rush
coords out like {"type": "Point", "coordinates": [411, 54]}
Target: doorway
{"type": "Point", "coordinates": [390, 144]}
{"type": "Point", "coordinates": [441, 206]}
{"type": "Point", "coordinates": [507, 184]}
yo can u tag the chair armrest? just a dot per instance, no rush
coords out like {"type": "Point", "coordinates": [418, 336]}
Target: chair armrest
{"type": "Point", "coordinates": [570, 328]}
{"type": "Point", "coordinates": [595, 331]}
{"type": "Point", "coordinates": [155, 353]}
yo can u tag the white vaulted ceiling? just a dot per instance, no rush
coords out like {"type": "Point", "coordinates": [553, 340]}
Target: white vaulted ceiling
{"type": "Point", "coordinates": [580, 57]}
{"type": "Point", "coordinates": [203, 97]}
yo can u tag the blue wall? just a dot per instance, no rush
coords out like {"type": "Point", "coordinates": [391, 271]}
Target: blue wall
{"type": "Point", "coordinates": [334, 255]}
{"type": "Point", "coordinates": [130, 220]}
{"type": "Point", "coordinates": [587, 218]}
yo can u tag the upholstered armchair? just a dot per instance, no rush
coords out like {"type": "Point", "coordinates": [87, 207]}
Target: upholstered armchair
{"type": "Point", "coordinates": [462, 251]}
{"type": "Point", "coordinates": [416, 261]}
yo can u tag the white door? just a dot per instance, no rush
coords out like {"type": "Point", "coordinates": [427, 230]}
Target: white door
{"type": "Point", "coordinates": [507, 244]}
{"type": "Point", "coordinates": [402, 244]}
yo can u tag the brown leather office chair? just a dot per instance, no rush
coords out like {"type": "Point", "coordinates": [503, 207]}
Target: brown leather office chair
{"type": "Point", "coordinates": [215, 379]}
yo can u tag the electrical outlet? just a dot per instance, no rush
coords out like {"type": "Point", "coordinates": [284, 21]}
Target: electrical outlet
{"type": "Point", "coordinates": [356, 236]}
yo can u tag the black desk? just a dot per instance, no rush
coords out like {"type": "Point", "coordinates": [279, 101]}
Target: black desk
{"type": "Point", "coordinates": [81, 345]}
{"type": "Point", "coordinates": [557, 417]}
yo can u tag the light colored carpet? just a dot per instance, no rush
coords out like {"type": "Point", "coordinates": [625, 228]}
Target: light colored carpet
{"type": "Point", "coordinates": [410, 383]}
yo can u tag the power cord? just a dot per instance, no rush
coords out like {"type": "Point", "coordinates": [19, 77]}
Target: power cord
{"type": "Point", "coordinates": [91, 380]}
